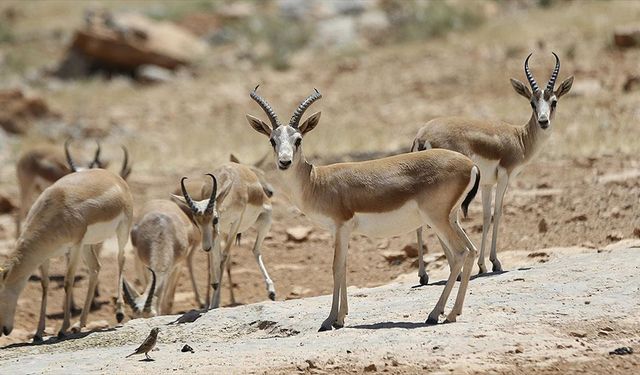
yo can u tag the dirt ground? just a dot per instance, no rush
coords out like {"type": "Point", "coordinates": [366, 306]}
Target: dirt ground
{"type": "Point", "coordinates": [582, 190]}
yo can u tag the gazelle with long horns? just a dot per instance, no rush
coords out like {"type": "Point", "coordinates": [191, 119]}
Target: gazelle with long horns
{"type": "Point", "coordinates": [239, 204]}
{"type": "Point", "coordinates": [77, 211]}
{"type": "Point", "coordinates": [499, 149]}
{"type": "Point", "coordinates": [378, 198]}
{"type": "Point", "coordinates": [163, 238]}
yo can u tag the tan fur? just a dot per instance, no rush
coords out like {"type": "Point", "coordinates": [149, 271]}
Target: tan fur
{"type": "Point", "coordinates": [59, 221]}
{"type": "Point", "coordinates": [163, 237]}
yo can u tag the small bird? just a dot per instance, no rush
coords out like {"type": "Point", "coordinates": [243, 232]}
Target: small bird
{"type": "Point", "coordinates": [148, 344]}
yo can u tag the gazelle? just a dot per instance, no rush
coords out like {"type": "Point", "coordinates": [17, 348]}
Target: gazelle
{"type": "Point", "coordinates": [240, 204]}
{"type": "Point", "coordinates": [37, 169]}
{"type": "Point", "coordinates": [499, 149]}
{"type": "Point", "coordinates": [77, 211]}
{"type": "Point", "coordinates": [163, 237]}
{"type": "Point", "coordinates": [381, 197]}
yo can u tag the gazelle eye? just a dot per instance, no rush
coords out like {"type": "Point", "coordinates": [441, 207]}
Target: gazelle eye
{"type": "Point", "coordinates": [554, 103]}
{"type": "Point", "coordinates": [215, 220]}
{"type": "Point", "coordinates": [273, 143]}
{"type": "Point", "coordinates": [298, 141]}
{"type": "Point", "coordinates": [533, 105]}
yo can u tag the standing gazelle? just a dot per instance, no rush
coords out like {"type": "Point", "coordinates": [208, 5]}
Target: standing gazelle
{"type": "Point", "coordinates": [240, 204]}
{"type": "Point", "coordinates": [382, 197]}
{"type": "Point", "coordinates": [78, 210]}
{"type": "Point", "coordinates": [499, 149]}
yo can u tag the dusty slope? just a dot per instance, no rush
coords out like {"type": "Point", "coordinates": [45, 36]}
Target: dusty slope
{"type": "Point", "coordinates": [567, 313]}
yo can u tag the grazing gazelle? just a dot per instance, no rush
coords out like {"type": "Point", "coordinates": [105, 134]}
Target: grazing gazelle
{"type": "Point", "coordinates": [78, 210]}
{"type": "Point", "coordinates": [499, 149]}
{"type": "Point", "coordinates": [163, 237]}
{"type": "Point", "coordinates": [240, 204]}
{"type": "Point", "coordinates": [382, 197]}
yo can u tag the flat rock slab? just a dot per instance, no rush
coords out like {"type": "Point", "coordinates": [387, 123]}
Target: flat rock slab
{"type": "Point", "coordinates": [577, 306]}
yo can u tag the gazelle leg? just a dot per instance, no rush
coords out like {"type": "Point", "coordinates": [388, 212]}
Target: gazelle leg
{"type": "Point", "coordinates": [192, 276]}
{"type": "Point", "coordinates": [422, 249]}
{"type": "Point", "coordinates": [263, 224]}
{"type": "Point", "coordinates": [122, 232]}
{"type": "Point", "coordinates": [344, 304]}
{"type": "Point", "coordinates": [503, 182]}
{"type": "Point", "coordinates": [96, 249]}
{"type": "Point", "coordinates": [466, 273]}
{"type": "Point", "coordinates": [44, 282]}
{"type": "Point", "coordinates": [448, 254]}
{"type": "Point", "coordinates": [486, 223]}
{"type": "Point", "coordinates": [74, 310]}
{"type": "Point", "coordinates": [171, 290]}
{"type": "Point", "coordinates": [93, 264]}
{"type": "Point", "coordinates": [451, 240]}
{"type": "Point", "coordinates": [207, 300]}
{"type": "Point", "coordinates": [74, 257]}
{"type": "Point", "coordinates": [225, 258]}
{"type": "Point", "coordinates": [339, 262]}
{"type": "Point", "coordinates": [228, 267]}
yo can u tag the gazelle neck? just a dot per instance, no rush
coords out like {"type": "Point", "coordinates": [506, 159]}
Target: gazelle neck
{"type": "Point", "coordinates": [297, 179]}
{"type": "Point", "coordinates": [22, 263]}
{"type": "Point", "coordinates": [531, 137]}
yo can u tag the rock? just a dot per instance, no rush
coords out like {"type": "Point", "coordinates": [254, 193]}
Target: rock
{"type": "Point", "coordinates": [311, 363]}
{"type": "Point", "coordinates": [186, 348]}
{"type": "Point", "coordinates": [371, 368]}
{"type": "Point", "coordinates": [335, 32]}
{"type": "Point", "coordinates": [587, 87]}
{"type": "Point", "coordinates": [6, 204]}
{"type": "Point", "coordinates": [615, 236]}
{"type": "Point", "coordinates": [631, 84]}
{"type": "Point", "coordinates": [154, 74]}
{"type": "Point", "coordinates": [578, 334]}
{"type": "Point", "coordinates": [374, 26]}
{"type": "Point", "coordinates": [128, 41]}
{"type": "Point", "coordinates": [97, 325]}
{"type": "Point", "coordinates": [542, 226]}
{"type": "Point", "coordinates": [298, 234]}
{"type": "Point", "coordinates": [622, 351]}
{"type": "Point", "coordinates": [394, 257]}
{"type": "Point", "coordinates": [299, 291]}
{"type": "Point", "coordinates": [383, 244]}
{"type": "Point", "coordinates": [576, 218]}
{"type": "Point", "coordinates": [626, 36]}
{"type": "Point", "coordinates": [19, 111]}
{"type": "Point", "coordinates": [411, 251]}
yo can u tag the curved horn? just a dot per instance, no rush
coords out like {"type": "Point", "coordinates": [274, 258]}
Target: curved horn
{"type": "Point", "coordinates": [297, 115]}
{"type": "Point", "coordinates": [72, 165]}
{"type": "Point", "coordinates": [265, 107]}
{"type": "Point", "coordinates": [527, 72]}
{"type": "Point", "coordinates": [125, 170]}
{"type": "Point", "coordinates": [129, 298]}
{"type": "Point", "coordinates": [96, 158]}
{"type": "Point", "coordinates": [147, 303]}
{"type": "Point", "coordinates": [554, 75]}
{"type": "Point", "coordinates": [212, 198]}
{"type": "Point", "coordinates": [187, 197]}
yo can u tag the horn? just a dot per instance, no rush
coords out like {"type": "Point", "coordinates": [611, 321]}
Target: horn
{"type": "Point", "coordinates": [527, 72]}
{"type": "Point", "coordinates": [129, 297]}
{"type": "Point", "coordinates": [212, 198]}
{"type": "Point", "coordinates": [265, 107]}
{"type": "Point", "coordinates": [96, 158]}
{"type": "Point", "coordinates": [72, 165]}
{"type": "Point", "coordinates": [147, 303]}
{"type": "Point", "coordinates": [297, 115]}
{"type": "Point", "coordinates": [187, 197]}
{"type": "Point", "coordinates": [554, 75]}
{"type": "Point", "coordinates": [126, 169]}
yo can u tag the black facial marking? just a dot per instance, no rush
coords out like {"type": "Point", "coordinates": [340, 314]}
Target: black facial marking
{"type": "Point", "coordinates": [273, 143]}
{"type": "Point", "coordinates": [298, 141]}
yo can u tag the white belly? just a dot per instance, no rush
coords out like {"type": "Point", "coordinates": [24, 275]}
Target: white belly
{"type": "Point", "coordinates": [488, 170]}
{"type": "Point", "coordinates": [101, 231]}
{"type": "Point", "coordinates": [391, 223]}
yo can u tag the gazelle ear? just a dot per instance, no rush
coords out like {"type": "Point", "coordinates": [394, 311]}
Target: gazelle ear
{"type": "Point", "coordinates": [564, 88]}
{"type": "Point", "coordinates": [310, 123]}
{"type": "Point", "coordinates": [234, 159]}
{"type": "Point", "coordinates": [181, 202]}
{"type": "Point", "coordinates": [259, 125]}
{"type": "Point", "coordinates": [521, 88]}
{"type": "Point", "coordinates": [223, 192]}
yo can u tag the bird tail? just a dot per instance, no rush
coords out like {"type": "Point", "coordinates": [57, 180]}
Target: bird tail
{"type": "Point", "coordinates": [130, 355]}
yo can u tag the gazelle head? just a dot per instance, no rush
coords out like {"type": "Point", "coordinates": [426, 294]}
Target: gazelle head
{"type": "Point", "coordinates": [543, 102]}
{"type": "Point", "coordinates": [125, 171]}
{"type": "Point", "coordinates": [286, 140]}
{"type": "Point", "coordinates": [9, 293]}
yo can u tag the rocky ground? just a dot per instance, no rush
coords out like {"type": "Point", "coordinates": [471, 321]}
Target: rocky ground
{"type": "Point", "coordinates": [568, 313]}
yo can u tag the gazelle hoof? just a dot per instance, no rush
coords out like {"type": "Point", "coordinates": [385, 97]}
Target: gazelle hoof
{"type": "Point", "coordinates": [323, 329]}
{"type": "Point", "coordinates": [483, 269]}
{"type": "Point", "coordinates": [497, 267]}
{"type": "Point", "coordinates": [37, 338]}
{"type": "Point", "coordinates": [62, 334]}
{"type": "Point", "coordinates": [338, 326]}
{"type": "Point", "coordinates": [272, 296]}
{"type": "Point", "coordinates": [431, 321]}
{"type": "Point", "coordinates": [424, 279]}
{"type": "Point", "coordinates": [119, 317]}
